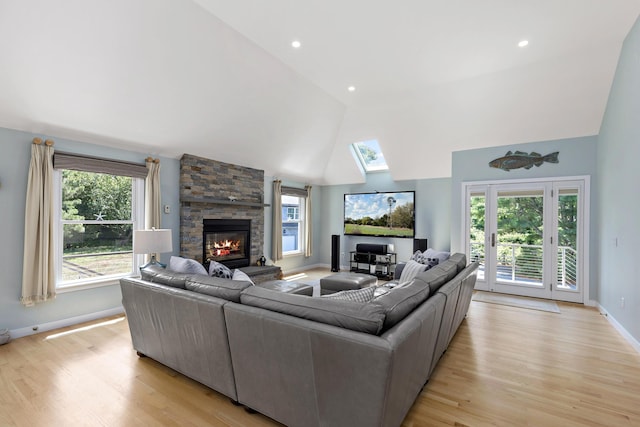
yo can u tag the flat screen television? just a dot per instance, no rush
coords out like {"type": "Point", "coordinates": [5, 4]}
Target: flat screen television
{"type": "Point", "coordinates": [380, 214]}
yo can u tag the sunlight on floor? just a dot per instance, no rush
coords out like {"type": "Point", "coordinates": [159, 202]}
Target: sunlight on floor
{"type": "Point", "coordinates": [84, 328]}
{"type": "Point", "coordinates": [296, 276]}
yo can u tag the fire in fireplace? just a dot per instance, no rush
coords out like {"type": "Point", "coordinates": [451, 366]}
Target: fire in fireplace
{"type": "Point", "coordinates": [224, 248]}
{"type": "Point", "coordinates": [227, 241]}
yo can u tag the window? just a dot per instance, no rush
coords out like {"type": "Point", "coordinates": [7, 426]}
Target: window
{"type": "Point", "coordinates": [370, 156]}
{"type": "Point", "coordinates": [96, 214]}
{"type": "Point", "coordinates": [292, 224]}
{"type": "Point", "coordinates": [293, 213]}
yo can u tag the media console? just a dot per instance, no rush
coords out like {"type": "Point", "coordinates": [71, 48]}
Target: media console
{"type": "Point", "coordinates": [373, 259]}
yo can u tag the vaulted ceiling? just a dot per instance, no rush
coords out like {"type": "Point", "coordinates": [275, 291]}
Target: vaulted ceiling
{"type": "Point", "coordinates": [220, 79]}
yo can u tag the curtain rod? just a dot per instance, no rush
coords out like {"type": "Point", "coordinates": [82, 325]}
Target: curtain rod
{"type": "Point", "coordinates": [38, 141]}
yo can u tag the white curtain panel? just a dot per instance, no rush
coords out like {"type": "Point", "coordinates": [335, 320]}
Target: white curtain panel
{"type": "Point", "coordinates": [308, 241]}
{"type": "Point", "coordinates": [152, 194]}
{"type": "Point", "coordinates": [38, 278]}
{"type": "Point", "coordinates": [276, 237]}
{"type": "Point", "coordinates": [152, 197]}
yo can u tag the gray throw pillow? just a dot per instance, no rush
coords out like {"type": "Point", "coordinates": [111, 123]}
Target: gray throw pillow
{"type": "Point", "coordinates": [357, 295]}
{"type": "Point", "coordinates": [185, 265]}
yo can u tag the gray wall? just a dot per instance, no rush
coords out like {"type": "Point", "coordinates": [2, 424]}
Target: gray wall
{"type": "Point", "coordinates": [577, 158]}
{"type": "Point", "coordinates": [14, 166]}
{"type": "Point", "coordinates": [433, 213]}
{"type": "Point", "coordinates": [618, 179]}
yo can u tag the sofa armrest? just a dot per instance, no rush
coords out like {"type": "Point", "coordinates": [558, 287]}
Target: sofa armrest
{"type": "Point", "coordinates": [181, 329]}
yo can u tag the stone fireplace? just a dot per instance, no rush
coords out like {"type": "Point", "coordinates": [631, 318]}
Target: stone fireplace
{"type": "Point", "coordinates": [210, 191]}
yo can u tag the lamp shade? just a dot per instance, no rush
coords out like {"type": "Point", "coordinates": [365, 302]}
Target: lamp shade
{"type": "Point", "coordinates": [152, 241]}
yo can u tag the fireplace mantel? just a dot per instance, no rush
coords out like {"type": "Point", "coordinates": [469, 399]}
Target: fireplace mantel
{"type": "Point", "coordinates": [212, 201]}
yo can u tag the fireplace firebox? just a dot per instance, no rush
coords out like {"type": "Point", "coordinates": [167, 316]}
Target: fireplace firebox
{"type": "Point", "coordinates": [227, 241]}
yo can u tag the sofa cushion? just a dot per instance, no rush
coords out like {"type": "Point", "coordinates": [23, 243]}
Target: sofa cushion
{"type": "Point", "coordinates": [460, 260]}
{"type": "Point", "coordinates": [155, 273]}
{"type": "Point", "coordinates": [399, 302]}
{"type": "Point", "coordinates": [360, 317]}
{"type": "Point", "coordinates": [217, 287]}
{"type": "Point", "coordinates": [357, 295]}
{"type": "Point", "coordinates": [186, 265]}
{"type": "Point", "coordinates": [434, 278]}
{"type": "Point", "coordinates": [217, 269]}
{"type": "Point", "coordinates": [448, 268]}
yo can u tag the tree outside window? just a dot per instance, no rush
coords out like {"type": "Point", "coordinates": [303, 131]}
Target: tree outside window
{"type": "Point", "coordinates": [96, 224]}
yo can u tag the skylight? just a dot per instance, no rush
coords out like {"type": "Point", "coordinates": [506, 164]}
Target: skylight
{"type": "Point", "coordinates": [370, 156]}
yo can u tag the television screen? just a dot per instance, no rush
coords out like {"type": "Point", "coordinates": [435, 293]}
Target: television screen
{"type": "Point", "coordinates": [380, 214]}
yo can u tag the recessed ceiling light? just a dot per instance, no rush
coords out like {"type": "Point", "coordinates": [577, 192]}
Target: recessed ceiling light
{"type": "Point", "coordinates": [296, 44]}
{"type": "Point", "coordinates": [351, 88]}
{"type": "Point", "coordinates": [523, 43]}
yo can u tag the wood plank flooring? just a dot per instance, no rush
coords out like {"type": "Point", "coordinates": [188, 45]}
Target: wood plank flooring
{"type": "Point", "coordinates": [506, 366]}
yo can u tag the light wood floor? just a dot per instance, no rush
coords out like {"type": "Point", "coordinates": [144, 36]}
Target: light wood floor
{"type": "Point", "coordinates": [505, 367]}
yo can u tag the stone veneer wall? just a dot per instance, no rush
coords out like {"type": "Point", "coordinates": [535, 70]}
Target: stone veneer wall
{"type": "Point", "coordinates": [205, 188]}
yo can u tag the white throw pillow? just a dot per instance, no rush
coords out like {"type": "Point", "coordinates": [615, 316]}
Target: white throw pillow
{"type": "Point", "coordinates": [410, 270]}
{"type": "Point", "coordinates": [241, 275]}
{"type": "Point", "coordinates": [185, 265]}
{"type": "Point", "coordinates": [432, 253]}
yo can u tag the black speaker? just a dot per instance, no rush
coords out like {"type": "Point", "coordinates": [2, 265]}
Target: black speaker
{"type": "Point", "coordinates": [371, 248]}
{"type": "Point", "coordinates": [419, 245]}
{"type": "Point", "coordinates": [335, 252]}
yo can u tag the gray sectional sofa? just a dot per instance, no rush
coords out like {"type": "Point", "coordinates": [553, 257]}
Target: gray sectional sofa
{"type": "Point", "coordinates": [300, 360]}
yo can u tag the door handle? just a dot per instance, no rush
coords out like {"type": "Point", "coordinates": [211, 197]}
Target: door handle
{"type": "Point", "coordinates": [493, 240]}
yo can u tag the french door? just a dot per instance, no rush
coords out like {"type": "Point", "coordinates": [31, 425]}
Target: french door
{"type": "Point", "coordinates": [529, 237]}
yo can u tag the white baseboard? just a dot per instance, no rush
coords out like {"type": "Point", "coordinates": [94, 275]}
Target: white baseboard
{"type": "Point", "coordinates": [625, 334]}
{"type": "Point", "coordinates": [36, 329]}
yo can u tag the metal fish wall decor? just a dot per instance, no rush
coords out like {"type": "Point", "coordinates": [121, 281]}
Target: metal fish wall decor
{"type": "Point", "coordinates": [520, 159]}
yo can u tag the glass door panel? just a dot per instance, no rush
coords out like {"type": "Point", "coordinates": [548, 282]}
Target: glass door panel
{"type": "Point", "coordinates": [476, 232]}
{"type": "Point", "coordinates": [519, 262]}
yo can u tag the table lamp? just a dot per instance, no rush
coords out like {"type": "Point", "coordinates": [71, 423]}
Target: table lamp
{"type": "Point", "coordinates": [152, 242]}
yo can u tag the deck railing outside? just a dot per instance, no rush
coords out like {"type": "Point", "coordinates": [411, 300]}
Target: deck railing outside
{"type": "Point", "coordinates": [519, 263]}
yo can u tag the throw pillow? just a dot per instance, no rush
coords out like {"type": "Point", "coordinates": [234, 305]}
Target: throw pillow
{"type": "Point", "coordinates": [356, 295]}
{"type": "Point", "coordinates": [217, 269]}
{"type": "Point", "coordinates": [241, 275]}
{"type": "Point", "coordinates": [432, 262]}
{"type": "Point", "coordinates": [410, 270]}
{"type": "Point", "coordinates": [432, 253]}
{"type": "Point", "coordinates": [185, 265]}
{"type": "Point", "coordinates": [420, 257]}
